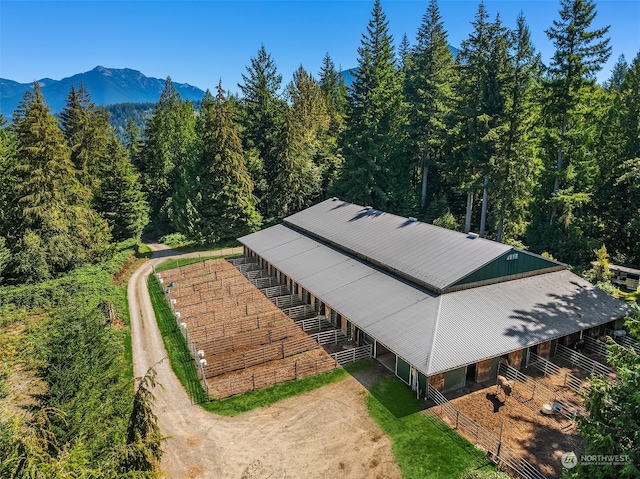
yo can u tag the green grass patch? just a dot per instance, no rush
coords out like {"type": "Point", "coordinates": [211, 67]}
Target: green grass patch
{"type": "Point", "coordinates": [179, 262]}
{"type": "Point", "coordinates": [264, 397]}
{"type": "Point", "coordinates": [143, 251]}
{"type": "Point", "coordinates": [423, 448]}
{"type": "Point", "coordinates": [180, 358]}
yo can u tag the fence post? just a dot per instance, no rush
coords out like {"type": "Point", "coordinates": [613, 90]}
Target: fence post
{"type": "Point", "coordinates": [533, 393]}
{"type": "Point", "coordinates": [457, 418]}
{"type": "Point", "coordinates": [500, 440]}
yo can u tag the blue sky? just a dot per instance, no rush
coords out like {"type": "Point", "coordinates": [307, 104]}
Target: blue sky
{"type": "Point", "coordinates": [200, 42]}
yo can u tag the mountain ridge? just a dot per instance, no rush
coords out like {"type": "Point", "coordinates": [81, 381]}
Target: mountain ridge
{"type": "Point", "coordinates": [106, 86]}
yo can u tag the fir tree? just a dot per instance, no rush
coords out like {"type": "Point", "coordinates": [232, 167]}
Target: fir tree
{"type": "Point", "coordinates": [169, 147]}
{"type": "Point", "coordinates": [226, 205]}
{"type": "Point", "coordinates": [119, 198]}
{"type": "Point", "coordinates": [429, 92]}
{"type": "Point", "coordinates": [335, 93]}
{"type": "Point", "coordinates": [263, 120]}
{"type": "Point", "coordinates": [54, 219]}
{"type": "Point", "coordinates": [518, 169]}
{"type": "Point", "coordinates": [579, 55]}
{"type": "Point", "coordinates": [375, 172]}
{"type": "Point", "coordinates": [86, 129]}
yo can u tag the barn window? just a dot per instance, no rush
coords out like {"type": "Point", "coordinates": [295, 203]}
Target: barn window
{"type": "Point", "coordinates": [512, 256]}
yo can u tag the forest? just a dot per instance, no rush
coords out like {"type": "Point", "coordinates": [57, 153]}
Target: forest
{"type": "Point", "coordinates": [492, 140]}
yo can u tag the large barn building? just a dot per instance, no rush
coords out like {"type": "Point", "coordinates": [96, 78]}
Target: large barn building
{"type": "Point", "coordinates": [437, 305]}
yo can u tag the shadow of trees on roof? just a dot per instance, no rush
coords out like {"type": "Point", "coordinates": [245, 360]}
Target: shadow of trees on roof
{"type": "Point", "coordinates": [564, 314]}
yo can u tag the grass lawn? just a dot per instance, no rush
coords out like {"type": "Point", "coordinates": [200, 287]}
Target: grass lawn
{"type": "Point", "coordinates": [178, 262]}
{"type": "Point", "coordinates": [423, 448]}
{"type": "Point", "coordinates": [180, 358]}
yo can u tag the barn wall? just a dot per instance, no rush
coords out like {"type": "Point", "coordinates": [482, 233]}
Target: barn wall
{"type": "Point", "coordinates": [455, 379]}
{"type": "Point", "coordinates": [402, 369]}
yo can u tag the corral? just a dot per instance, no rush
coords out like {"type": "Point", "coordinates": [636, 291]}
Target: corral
{"type": "Point", "coordinates": [443, 309]}
{"type": "Point", "coordinates": [241, 340]}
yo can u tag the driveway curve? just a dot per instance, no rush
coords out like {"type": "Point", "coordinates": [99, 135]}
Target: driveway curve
{"type": "Point", "coordinates": [323, 433]}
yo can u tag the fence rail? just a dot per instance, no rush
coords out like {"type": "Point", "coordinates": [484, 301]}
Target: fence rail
{"type": "Point", "coordinates": [316, 323]}
{"type": "Point", "coordinates": [328, 337]}
{"type": "Point", "coordinates": [595, 346]}
{"type": "Point", "coordinates": [583, 362]}
{"type": "Point", "coordinates": [499, 452]}
{"type": "Point", "coordinates": [352, 355]}
{"type": "Point", "coordinates": [548, 368]}
{"type": "Point", "coordinates": [527, 389]}
{"type": "Point", "coordinates": [626, 341]}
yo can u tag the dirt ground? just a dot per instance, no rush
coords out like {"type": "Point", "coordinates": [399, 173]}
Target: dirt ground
{"type": "Point", "coordinates": [325, 433]}
{"type": "Point", "coordinates": [541, 440]}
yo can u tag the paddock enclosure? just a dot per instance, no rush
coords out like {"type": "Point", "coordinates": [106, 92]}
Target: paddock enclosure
{"type": "Point", "coordinates": [242, 340]}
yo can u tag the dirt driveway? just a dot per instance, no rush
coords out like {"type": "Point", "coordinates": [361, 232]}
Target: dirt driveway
{"type": "Point", "coordinates": [325, 433]}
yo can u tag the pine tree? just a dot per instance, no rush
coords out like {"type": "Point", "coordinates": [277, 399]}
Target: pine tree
{"type": "Point", "coordinates": [119, 198]}
{"type": "Point", "coordinates": [375, 172]}
{"type": "Point", "coordinates": [226, 205]}
{"type": "Point", "coordinates": [169, 147]}
{"type": "Point", "coordinates": [429, 92]}
{"type": "Point", "coordinates": [263, 119]}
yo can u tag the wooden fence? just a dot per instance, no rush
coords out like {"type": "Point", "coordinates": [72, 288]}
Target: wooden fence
{"type": "Point", "coordinates": [249, 380]}
{"type": "Point", "coordinates": [499, 452]}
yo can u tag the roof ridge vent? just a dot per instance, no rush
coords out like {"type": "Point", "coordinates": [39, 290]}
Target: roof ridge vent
{"type": "Point", "coordinates": [472, 235]}
{"type": "Point", "coordinates": [411, 219]}
{"type": "Point", "coordinates": [368, 208]}
{"type": "Point", "coordinates": [335, 198]}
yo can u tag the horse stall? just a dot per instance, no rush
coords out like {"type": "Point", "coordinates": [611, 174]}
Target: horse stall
{"type": "Point", "coordinates": [483, 370]}
{"type": "Point", "coordinates": [450, 380]}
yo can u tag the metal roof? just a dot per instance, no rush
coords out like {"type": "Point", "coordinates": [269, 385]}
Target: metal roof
{"type": "Point", "coordinates": [436, 333]}
{"type": "Point", "coordinates": [428, 255]}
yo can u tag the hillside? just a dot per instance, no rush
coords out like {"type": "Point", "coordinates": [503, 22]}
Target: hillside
{"type": "Point", "coordinates": [107, 86]}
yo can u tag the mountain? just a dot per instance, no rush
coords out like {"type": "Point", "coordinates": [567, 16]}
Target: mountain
{"type": "Point", "coordinates": [106, 86]}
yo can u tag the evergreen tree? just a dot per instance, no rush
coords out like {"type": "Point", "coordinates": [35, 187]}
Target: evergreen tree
{"type": "Point", "coordinates": [263, 120]}
{"type": "Point", "coordinates": [375, 172]}
{"type": "Point", "coordinates": [618, 193]}
{"type": "Point", "coordinates": [54, 219]}
{"type": "Point", "coordinates": [169, 147]}
{"type": "Point", "coordinates": [335, 93]}
{"type": "Point", "coordinates": [133, 142]}
{"type": "Point", "coordinates": [86, 129]}
{"type": "Point", "coordinates": [482, 108]}
{"type": "Point", "coordinates": [225, 205]}
{"type": "Point", "coordinates": [518, 168]}
{"type": "Point", "coordinates": [429, 91]}
{"type": "Point", "coordinates": [119, 198]}
{"type": "Point", "coordinates": [580, 54]}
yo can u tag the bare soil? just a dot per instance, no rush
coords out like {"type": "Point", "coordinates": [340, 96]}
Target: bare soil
{"type": "Point", "coordinates": [539, 439]}
{"type": "Point", "coordinates": [325, 433]}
